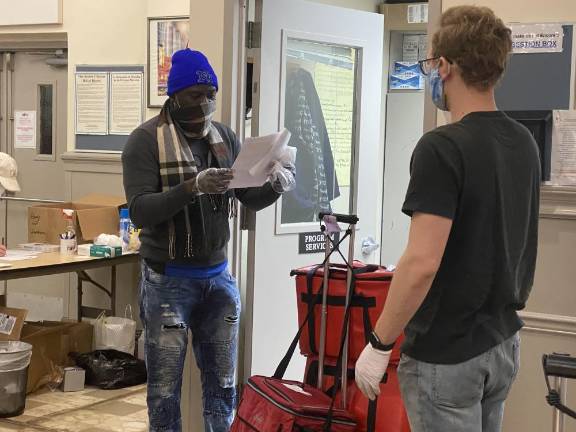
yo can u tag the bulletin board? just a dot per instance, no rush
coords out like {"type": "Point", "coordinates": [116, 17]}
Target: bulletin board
{"type": "Point", "coordinates": [540, 81]}
{"type": "Point", "coordinates": [109, 141]}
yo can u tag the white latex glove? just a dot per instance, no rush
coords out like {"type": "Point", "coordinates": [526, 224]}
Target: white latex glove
{"type": "Point", "coordinates": [288, 156]}
{"type": "Point", "coordinates": [282, 177]}
{"type": "Point", "coordinates": [370, 369]}
{"type": "Point", "coordinates": [214, 180]}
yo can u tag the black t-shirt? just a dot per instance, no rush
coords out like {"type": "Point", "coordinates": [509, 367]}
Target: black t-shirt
{"type": "Point", "coordinates": [483, 173]}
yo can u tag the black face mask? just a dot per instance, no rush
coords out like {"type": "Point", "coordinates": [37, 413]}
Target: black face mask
{"type": "Point", "coordinates": [195, 120]}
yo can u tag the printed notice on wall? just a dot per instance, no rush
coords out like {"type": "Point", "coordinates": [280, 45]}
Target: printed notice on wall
{"type": "Point", "coordinates": [423, 47]}
{"type": "Point", "coordinates": [564, 148]}
{"type": "Point", "coordinates": [417, 14]}
{"type": "Point", "coordinates": [537, 38]}
{"type": "Point", "coordinates": [25, 129]}
{"type": "Point", "coordinates": [410, 47]}
{"type": "Point", "coordinates": [126, 102]}
{"type": "Point", "coordinates": [92, 103]}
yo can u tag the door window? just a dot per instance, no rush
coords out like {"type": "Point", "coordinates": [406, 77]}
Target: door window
{"type": "Point", "coordinates": [320, 112]}
{"type": "Point", "coordinates": [45, 120]}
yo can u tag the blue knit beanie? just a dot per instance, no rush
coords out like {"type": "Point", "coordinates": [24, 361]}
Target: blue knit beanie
{"type": "Point", "coordinates": [190, 68]}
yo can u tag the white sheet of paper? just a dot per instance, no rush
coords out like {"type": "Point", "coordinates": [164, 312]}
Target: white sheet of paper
{"type": "Point", "coordinates": [18, 255]}
{"type": "Point", "coordinates": [564, 148]}
{"type": "Point", "coordinates": [92, 89]}
{"type": "Point", "coordinates": [126, 102]}
{"type": "Point", "coordinates": [252, 165]}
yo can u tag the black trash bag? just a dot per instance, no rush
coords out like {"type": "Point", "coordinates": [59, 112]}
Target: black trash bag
{"type": "Point", "coordinates": [111, 369]}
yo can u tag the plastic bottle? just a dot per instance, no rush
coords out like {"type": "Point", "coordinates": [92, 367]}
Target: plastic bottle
{"type": "Point", "coordinates": [125, 228]}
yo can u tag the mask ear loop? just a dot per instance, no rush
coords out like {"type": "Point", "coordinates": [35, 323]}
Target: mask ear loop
{"type": "Point", "coordinates": [443, 84]}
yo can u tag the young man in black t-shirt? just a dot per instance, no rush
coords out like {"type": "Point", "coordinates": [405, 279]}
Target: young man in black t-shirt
{"type": "Point", "coordinates": [469, 264]}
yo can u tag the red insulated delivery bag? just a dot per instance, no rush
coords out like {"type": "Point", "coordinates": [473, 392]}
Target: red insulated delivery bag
{"type": "Point", "coordinates": [370, 290]}
{"type": "Point", "coordinates": [389, 412]}
{"type": "Point", "coordinates": [278, 405]}
{"type": "Point", "coordinates": [275, 405]}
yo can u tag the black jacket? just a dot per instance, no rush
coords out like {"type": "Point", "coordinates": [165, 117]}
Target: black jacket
{"type": "Point", "coordinates": [151, 209]}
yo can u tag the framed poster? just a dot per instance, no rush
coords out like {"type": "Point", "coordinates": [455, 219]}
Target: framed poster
{"type": "Point", "coordinates": [166, 35]}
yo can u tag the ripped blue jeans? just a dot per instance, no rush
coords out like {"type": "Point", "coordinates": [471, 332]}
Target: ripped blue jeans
{"type": "Point", "coordinates": [210, 309]}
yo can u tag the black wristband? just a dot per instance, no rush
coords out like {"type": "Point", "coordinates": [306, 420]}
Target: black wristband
{"type": "Point", "coordinates": [376, 344]}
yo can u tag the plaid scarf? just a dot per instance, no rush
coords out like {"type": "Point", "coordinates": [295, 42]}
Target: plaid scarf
{"type": "Point", "coordinates": [177, 165]}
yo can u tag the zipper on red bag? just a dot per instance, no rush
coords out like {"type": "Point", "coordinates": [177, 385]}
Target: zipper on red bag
{"type": "Point", "coordinates": [278, 392]}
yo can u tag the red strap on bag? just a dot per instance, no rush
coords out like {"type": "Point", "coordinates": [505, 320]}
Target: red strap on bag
{"type": "Point", "coordinates": [283, 366]}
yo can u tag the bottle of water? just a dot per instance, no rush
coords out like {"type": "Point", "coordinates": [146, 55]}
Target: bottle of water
{"type": "Point", "coordinates": [125, 228]}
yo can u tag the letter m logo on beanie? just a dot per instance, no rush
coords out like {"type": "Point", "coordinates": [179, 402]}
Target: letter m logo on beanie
{"type": "Point", "coordinates": [204, 77]}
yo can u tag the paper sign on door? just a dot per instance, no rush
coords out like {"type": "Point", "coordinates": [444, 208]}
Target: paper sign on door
{"type": "Point", "coordinates": [25, 129]}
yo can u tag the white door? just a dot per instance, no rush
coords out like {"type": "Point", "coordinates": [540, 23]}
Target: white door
{"type": "Point", "coordinates": [318, 73]}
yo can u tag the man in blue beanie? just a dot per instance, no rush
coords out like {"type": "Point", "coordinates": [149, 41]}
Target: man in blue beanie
{"type": "Point", "coordinates": [177, 172]}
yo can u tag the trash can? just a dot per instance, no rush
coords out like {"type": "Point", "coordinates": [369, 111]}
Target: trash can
{"type": "Point", "coordinates": [14, 362]}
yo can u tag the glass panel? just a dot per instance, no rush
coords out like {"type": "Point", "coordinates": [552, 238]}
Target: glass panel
{"type": "Point", "coordinates": [46, 109]}
{"type": "Point", "coordinates": [319, 112]}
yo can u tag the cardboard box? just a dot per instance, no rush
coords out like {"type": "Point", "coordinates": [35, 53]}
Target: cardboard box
{"type": "Point", "coordinates": [46, 354]}
{"type": "Point", "coordinates": [93, 215]}
{"type": "Point", "coordinates": [11, 323]}
{"type": "Point", "coordinates": [52, 341]}
{"type": "Point", "coordinates": [76, 337]}
{"type": "Point", "coordinates": [74, 379]}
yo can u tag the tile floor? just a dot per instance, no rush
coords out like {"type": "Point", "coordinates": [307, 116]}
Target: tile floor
{"type": "Point", "coordinates": [90, 410]}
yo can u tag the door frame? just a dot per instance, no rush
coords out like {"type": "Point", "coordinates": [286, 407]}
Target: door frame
{"type": "Point", "coordinates": [250, 237]}
{"type": "Point", "coordinates": [234, 96]}
{"type": "Point", "coordinates": [297, 228]}
{"type": "Point", "coordinates": [236, 18]}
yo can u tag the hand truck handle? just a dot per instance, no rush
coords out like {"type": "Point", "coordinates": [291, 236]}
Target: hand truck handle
{"type": "Point", "coordinates": [349, 219]}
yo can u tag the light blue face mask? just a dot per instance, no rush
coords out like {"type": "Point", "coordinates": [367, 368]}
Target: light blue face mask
{"type": "Point", "coordinates": [437, 90]}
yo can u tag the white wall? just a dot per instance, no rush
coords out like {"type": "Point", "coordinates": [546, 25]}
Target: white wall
{"type": "Point", "coordinates": [207, 32]}
{"type": "Point", "coordinates": [30, 12]}
{"type": "Point", "coordinates": [104, 32]}
{"type": "Point", "coordinates": [524, 11]}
